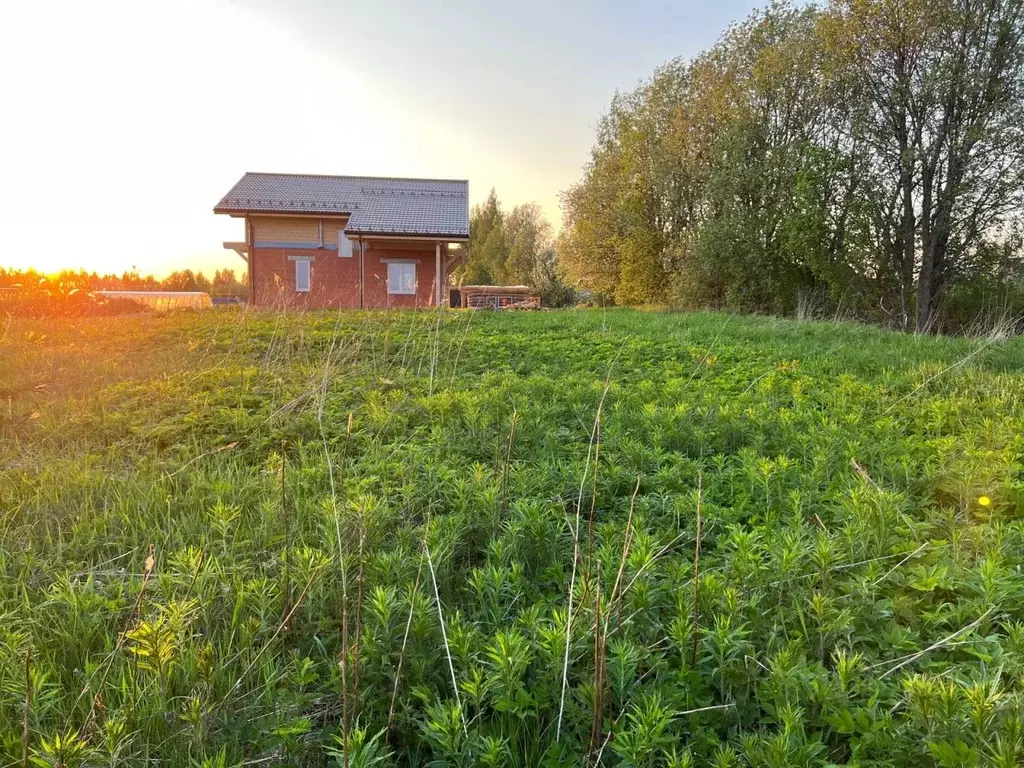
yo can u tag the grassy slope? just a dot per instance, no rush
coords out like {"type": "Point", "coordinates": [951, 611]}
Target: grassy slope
{"type": "Point", "coordinates": [816, 578]}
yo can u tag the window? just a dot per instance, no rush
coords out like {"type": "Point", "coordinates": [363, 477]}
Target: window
{"type": "Point", "coordinates": [344, 245]}
{"type": "Point", "coordinates": [302, 275]}
{"type": "Point", "coordinates": [401, 278]}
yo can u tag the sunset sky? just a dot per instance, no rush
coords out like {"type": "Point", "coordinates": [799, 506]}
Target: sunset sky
{"type": "Point", "coordinates": [125, 122]}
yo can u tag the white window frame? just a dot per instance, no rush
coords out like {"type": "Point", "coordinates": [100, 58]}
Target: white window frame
{"type": "Point", "coordinates": [402, 268]}
{"type": "Point", "coordinates": [303, 264]}
{"type": "Point", "coordinates": [344, 245]}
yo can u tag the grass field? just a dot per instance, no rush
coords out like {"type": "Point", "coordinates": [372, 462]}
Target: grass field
{"type": "Point", "coordinates": [787, 543]}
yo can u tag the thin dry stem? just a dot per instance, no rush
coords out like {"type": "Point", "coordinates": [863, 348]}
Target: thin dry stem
{"type": "Point", "coordinates": [401, 655]}
{"type": "Point", "coordinates": [337, 528]}
{"type": "Point", "coordinates": [150, 564]}
{"type": "Point", "coordinates": [444, 632]}
{"type": "Point", "coordinates": [575, 559]}
{"type": "Point", "coordinates": [863, 474]}
{"type": "Point", "coordinates": [599, 662]}
{"type": "Point", "coordinates": [651, 562]}
{"type": "Point", "coordinates": [344, 662]}
{"type": "Point", "coordinates": [930, 379]}
{"type": "Point", "coordinates": [626, 544]}
{"type": "Point", "coordinates": [359, 614]}
{"type": "Point", "coordinates": [593, 495]}
{"type": "Point", "coordinates": [508, 463]}
{"type": "Point", "coordinates": [28, 707]}
{"type": "Point", "coordinates": [287, 537]}
{"type": "Point", "coordinates": [259, 654]}
{"type": "Point", "coordinates": [696, 572]}
{"type": "Point", "coordinates": [939, 644]}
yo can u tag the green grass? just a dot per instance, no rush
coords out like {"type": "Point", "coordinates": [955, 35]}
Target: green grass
{"type": "Point", "coordinates": [837, 469]}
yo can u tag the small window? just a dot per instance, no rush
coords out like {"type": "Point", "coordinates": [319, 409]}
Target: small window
{"type": "Point", "coordinates": [302, 276]}
{"type": "Point", "coordinates": [344, 245]}
{"type": "Point", "coordinates": [401, 278]}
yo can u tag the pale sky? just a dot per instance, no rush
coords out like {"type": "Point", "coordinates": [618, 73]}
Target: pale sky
{"type": "Point", "coordinates": [125, 121]}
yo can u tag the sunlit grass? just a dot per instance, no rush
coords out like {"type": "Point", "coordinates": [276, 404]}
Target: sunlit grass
{"type": "Point", "coordinates": [860, 592]}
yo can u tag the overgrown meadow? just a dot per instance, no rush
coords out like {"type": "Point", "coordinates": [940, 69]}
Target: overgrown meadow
{"type": "Point", "coordinates": [474, 539]}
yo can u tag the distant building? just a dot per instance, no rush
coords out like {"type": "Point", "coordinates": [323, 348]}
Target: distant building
{"type": "Point", "coordinates": [348, 241]}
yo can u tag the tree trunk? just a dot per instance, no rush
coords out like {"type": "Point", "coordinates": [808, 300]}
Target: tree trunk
{"type": "Point", "coordinates": [907, 227]}
{"type": "Point", "coordinates": [935, 254]}
{"type": "Point", "coordinates": [926, 274]}
{"type": "Point", "coordinates": [925, 294]}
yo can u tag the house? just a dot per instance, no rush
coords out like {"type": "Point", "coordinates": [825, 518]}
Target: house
{"type": "Point", "coordinates": [348, 241]}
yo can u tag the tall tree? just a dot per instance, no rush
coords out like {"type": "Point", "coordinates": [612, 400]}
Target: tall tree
{"type": "Point", "coordinates": [864, 150]}
{"type": "Point", "coordinates": [488, 249]}
{"type": "Point", "coordinates": [588, 245]}
{"type": "Point", "coordinates": [527, 236]}
{"type": "Point", "coordinates": [968, 140]}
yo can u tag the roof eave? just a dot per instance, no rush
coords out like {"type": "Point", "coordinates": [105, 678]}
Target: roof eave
{"type": "Point", "coordinates": [234, 211]}
{"type": "Point", "coordinates": [449, 236]}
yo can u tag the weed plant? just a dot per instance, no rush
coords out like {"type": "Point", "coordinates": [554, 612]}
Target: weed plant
{"type": "Point", "coordinates": [565, 538]}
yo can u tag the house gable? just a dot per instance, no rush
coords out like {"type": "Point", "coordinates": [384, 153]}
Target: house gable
{"type": "Point", "coordinates": [433, 208]}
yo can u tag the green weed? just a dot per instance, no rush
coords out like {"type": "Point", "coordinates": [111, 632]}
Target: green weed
{"type": "Point", "coordinates": [392, 538]}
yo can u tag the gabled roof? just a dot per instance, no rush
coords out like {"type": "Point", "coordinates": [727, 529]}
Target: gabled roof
{"type": "Point", "coordinates": [382, 206]}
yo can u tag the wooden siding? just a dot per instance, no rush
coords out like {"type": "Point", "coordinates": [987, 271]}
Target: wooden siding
{"type": "Point", "coordinates": [285, 229]}
{"type": "Point", "coordinates": [331, 227]}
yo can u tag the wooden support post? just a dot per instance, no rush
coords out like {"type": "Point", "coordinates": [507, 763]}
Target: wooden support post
{"type": "Point", "coordinates": [362, 271]}
{"type": "Point", "coordinates": [438, 277]}
{"type": "Point", "coordinates": [250, 243]}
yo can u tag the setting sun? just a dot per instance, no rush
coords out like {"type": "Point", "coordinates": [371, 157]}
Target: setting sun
{"type": "Point", "coordinates": [133, 118]}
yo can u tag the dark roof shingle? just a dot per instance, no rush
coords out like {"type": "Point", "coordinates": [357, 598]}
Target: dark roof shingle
{"type": "Point", "coordinates": [435, 207]}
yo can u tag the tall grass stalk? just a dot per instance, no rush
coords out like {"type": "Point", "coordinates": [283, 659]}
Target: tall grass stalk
{"type": "Point", "coordinates": [262, 650]}
{"type": "Point", "coordinates": [444, 632]}
{"type": "Point", "coordinates": [405, 643]}
{"type": "Point", "coordinates": [595, 435]}
{"type": "Point", "coordinates": [28, 708]}
{"type": "Point", "coordinates": [104, 668]}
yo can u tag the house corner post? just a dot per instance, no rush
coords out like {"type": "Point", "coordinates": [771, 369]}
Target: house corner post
{"type": "Point", "coordinates": [250, 249]}
{"type": "Point", "coordinates": [438, 277]}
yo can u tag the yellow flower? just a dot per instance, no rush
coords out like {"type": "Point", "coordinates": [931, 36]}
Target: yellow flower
{"type": "Point", "coordinates": [985, 501]}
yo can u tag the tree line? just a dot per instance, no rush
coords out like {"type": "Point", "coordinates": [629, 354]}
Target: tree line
{"type": "Point", "coordinates": [223, 282]}
{"type": "Point", "coordinates": [863, 155]}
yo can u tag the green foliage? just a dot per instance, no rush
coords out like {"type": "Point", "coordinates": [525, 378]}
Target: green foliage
{"type": "Point", "coordinates": [856, 158]}
{"type": "Point", "coordinates": [860, 590]}
{"type": "Point", "coordinates": [360, 750]}
{"type": "Point", "coordinates": [513, 248]}
{"type": "Point", "coordinates": [488, 246]}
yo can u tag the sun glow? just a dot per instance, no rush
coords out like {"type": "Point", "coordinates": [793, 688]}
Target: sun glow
{"type": "Point", "coordinates": [127, 136]}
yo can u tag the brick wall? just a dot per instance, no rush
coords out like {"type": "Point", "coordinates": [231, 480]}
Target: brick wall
{"type": "Point", "coordinates": [334, 281]}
